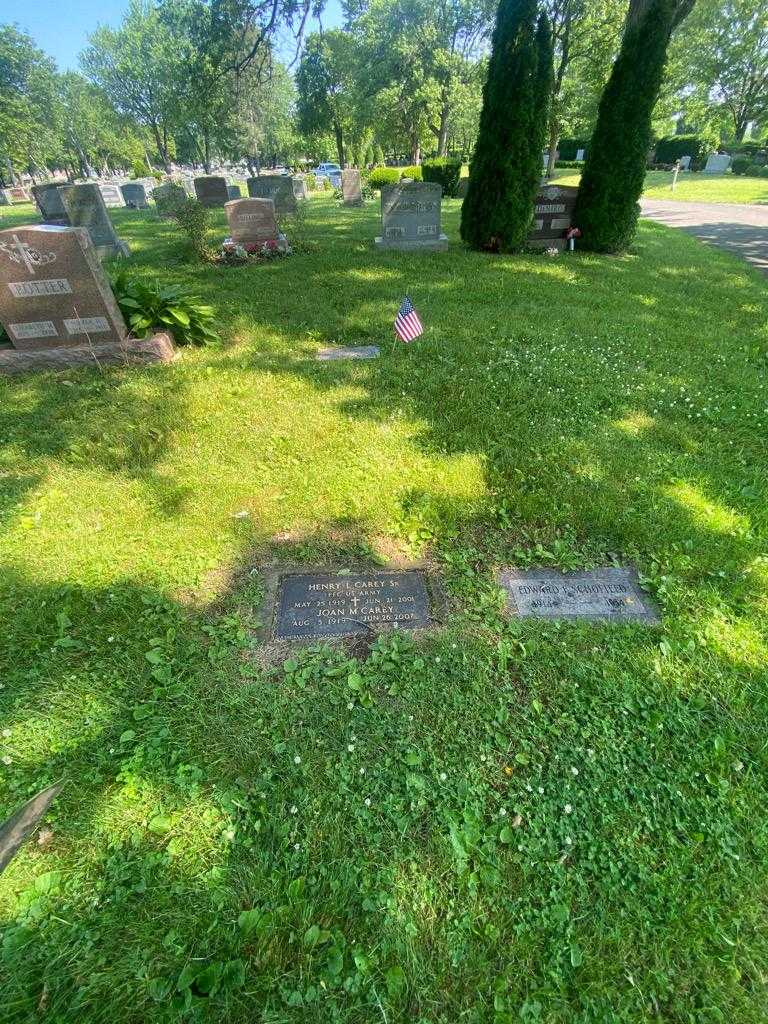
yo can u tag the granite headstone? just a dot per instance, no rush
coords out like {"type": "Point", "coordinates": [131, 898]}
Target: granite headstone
{"type": "Point", "coordinates": [552, 216]}
{"type": "Point", "coordinates": [50, 203]}
{"type": "Point", "coordinates": [252, 222]}
{"type": "Point", "coordinates": [278, 188]}
{"type": "Point", "coordinates": [313, 606]}
{"type": "Point", "coordinates": [53, 291]}
{"type": "Point", "coordinates": [111, 194]}
{"type": "Point", "coordinates": [717, 163]}
{"type": "Point", "coordinates": [85, 208]}
{"type": "Point", "coordinates": [351, 187]}
{"type": "Point", "coordinates": [410, 217]}
{"type": "Point", "coordinates": [612, 593]}
{"type": "Point", "coordinates": [135, 195]}
{"type": "Point", "coordinates": [211, 190]}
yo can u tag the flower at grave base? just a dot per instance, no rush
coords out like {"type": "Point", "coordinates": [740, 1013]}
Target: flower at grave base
{"type": "Point", "coordinates": [297, 760]}
{"type": "Point", "coordinates": [568, 809]}
{"type": "Point", "coordinates": [552, 252]}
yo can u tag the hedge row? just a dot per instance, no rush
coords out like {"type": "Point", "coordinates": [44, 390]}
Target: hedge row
{"type": "Point", "coordinates": [444, 171]}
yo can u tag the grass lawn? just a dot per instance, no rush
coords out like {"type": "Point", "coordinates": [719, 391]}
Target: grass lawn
{"type": "Point", "coordinates": [693, 188]}
{"type": "Point", "coordinates": [508, 821]}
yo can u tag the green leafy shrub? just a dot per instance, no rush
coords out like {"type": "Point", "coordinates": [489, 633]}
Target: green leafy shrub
{"type": "Point", "coordinates": [150, 307]}
{"type": "Point", "coordinates": [670, 149]}
{"type": "Point", "coordinates": [311, 181]}
{"type": "Point", "coordinates": [444, 171]}
{"type": "Point", "coordinates": [568, 148]}
{"type": "Point", "coordinates": [411, 172]}
{"type": "Point", "coordinates": [757, 171]}
{"type": "Point", "coordinates": [740, 164]}
{"type": "Point", "coordinates": [381, 176]}
{"type": "Point", "coordinates": [194, 220]}
{"type": "Point", "coordinates": [138, 169]}
{"type": "Point", "coordinates": [571, 164]}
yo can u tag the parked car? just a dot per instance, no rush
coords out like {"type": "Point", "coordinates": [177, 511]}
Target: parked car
{"type": "Point", "coordinates": [330, 171]}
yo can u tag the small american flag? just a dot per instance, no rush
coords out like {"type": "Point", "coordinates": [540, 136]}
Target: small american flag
{"type": "Point", "coordinates": [407, 323]}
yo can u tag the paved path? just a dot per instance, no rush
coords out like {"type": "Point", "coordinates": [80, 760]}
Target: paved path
{"type": "Point", "coordinates": [740, 228]}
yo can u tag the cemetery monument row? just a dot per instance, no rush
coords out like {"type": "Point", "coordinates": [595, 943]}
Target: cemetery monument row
{"type": "Point", "coordinates": [85, 209]}
{"type": "Point", "coordinates": [252, 222]}
{"type": "Point", "coordinates": [56, 304]}
{"type": "Point", "coordinates": [552, 216]}
{"type": "Point", "coordinates": [211, 190]}
{"type": "Point", "coordinates": [351, 187]}
{"type": "Point", "coordinates": [233, 192]}
{"type": "Point", "coordinates": [278, 188]}
{"type": "Point", "coordinates": [410, 217]}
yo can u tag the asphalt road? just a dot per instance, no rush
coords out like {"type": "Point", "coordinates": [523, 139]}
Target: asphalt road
{"type": "Point", "coordinates": [737, 227]}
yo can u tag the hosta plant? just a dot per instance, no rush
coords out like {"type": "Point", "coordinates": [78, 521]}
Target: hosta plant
{"type": "Point", "coordinates": [151, 306]}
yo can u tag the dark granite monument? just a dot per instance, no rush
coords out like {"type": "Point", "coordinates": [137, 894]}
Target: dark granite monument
{"type": "Point", "coordinates": [278, 188]}
{"type": "Point", "coordinates": [211, 190]}
{"type": "Point", "coordinates": [50, 203]}
{"type": "Point", "coordinates": [317, 606]}
{"type": "Point", "coordinates": [552, 216]}
{"type": "Point", "coordinates": [85, 208]}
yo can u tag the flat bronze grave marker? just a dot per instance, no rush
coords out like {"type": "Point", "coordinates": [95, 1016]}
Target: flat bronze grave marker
{"type": "Point", "coordinates": [610, 594]}
{"type": "Point", "coordinates": [322, 606]}
{"type": "Point", "coordinates": [349, 352]}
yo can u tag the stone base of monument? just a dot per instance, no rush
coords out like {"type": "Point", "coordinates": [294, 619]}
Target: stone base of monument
{"type": "Point", "coordinates": [134, 351]}
{"type": "Point", "coordinates": [110, 252]}
{"type": "Point", "coordinates": [439, 244]}
{"type": "Point", "coordinates": [546, 243]}
{"type": "Point", "coordinates": [280, 244]}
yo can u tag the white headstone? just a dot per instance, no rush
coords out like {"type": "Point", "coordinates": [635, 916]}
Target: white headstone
{"type": "Point", "coordinates": [717, 163]}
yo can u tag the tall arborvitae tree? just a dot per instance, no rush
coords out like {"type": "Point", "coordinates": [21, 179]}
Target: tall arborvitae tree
{"type": "Point", "coordinates": [506, 167]}
{"type": "Point", "coordinates": [545, 78]}
{"type": "Point", "coordinates": [607, 208]}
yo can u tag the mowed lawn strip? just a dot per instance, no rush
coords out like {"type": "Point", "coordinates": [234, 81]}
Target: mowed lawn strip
{"type": "Point", "coordinates": [693, 187]}
{"type": "Point", "coordinates": [506, 821]}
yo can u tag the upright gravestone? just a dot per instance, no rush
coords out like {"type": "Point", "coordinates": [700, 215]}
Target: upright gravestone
{"type": "Point", "coordinates": [233, 192]}
{"type": "Point", "coordinates": [580, 154]}
{"type": "Point", "coordinates": [4, 197]}
{"type": "Point", "coordinates": [85, 209]}
{"type": "Point", "coordinates": [188, 184]}
{"type": "Point", "coordinates": [53, 291]}
{"type": "Point", "coordinates": [299, 186]}
{"type": "Point", "coordinates": [252, 223]}
{"type": "Point", "coordinates": [552, 216]}
{"type": "Point", "coordinates": [111, 194]}
{"type": "Point", "coordinates": [461, 190]}
{"type": "Point", "coordinates": [410, 217]}
{"type": "Point", "coordinates": [135, 195]}
{"type": "Point", "coordinates": [278, 188]}
{"type": "Point", "coordinates": [17, 194]}
{"type": "Point", "coordinates": [168, 198]}
{"type": "Point", "coordinates": [717, 163]}
{"type": "Point", "coordinates": [50, 203]}
{"type": "Point", "coordinates": [685, 163]}
{"type": "Point", "coordinates": [211, 190]}
{"type": "Point", "coordinates": [351, 187]}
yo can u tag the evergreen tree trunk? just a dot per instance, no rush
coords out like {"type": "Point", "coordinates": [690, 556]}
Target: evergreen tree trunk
{"type": "Point", "coordinates": [506, 167]}
{"type": "Point", "coordinates": [607, 205]}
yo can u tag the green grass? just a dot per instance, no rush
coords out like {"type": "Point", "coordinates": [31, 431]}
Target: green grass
{"type": "Point", "coordinates": [338, 839]}
{"type": "Point", "coordinates": [694, 188]}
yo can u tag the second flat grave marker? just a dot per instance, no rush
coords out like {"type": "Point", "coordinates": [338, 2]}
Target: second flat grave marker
{"type": "Point", "coordinates": [612, 594]}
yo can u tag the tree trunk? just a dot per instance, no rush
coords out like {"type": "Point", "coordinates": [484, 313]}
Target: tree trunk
{"type": "Point", "coordinates": [415, 150]}
{"type": "Point", "coordinates": [445, 116]}
{"type": "Point", "coordinates": [554, 134]}
{"type": "Point", "coordinates": [206, 151]}
{"type": "Point", "coordinates": [339, 142]}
